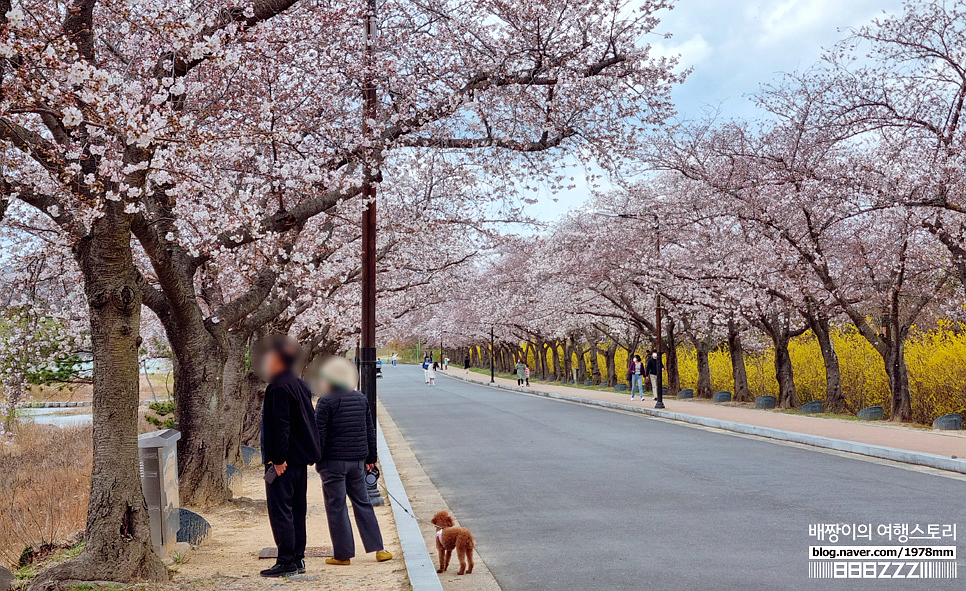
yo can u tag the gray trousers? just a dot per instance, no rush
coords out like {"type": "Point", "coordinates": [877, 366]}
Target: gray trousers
{"type": "Point", "coordinates": [339, 480]}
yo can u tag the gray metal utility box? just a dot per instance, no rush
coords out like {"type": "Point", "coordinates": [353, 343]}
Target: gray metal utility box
{"type": "Point", "coordinates": [159, 480]}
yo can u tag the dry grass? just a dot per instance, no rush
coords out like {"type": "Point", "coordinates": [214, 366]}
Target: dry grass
{"type": "Point", "coordinates": [44, 487]}
{"type": "Point", "coordinates": [152, 387]}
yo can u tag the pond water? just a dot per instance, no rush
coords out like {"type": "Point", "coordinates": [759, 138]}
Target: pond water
{"type": "Point", "coordinates": [155, 366]}
{"type": "Point", "coordinates": [59, 417]}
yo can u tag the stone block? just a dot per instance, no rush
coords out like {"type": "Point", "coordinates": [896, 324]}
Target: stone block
{"type": "Point", "coordinates": [194, 528]}
{"type": "Point", "coordinates": [250, 455]}
{"type": "Point", "coordinates": [950, 422]}
{"type": "Point", "coordinates": [871, 413]}
{"type": "Point", "coordinates": [811, 408]}
{"type": "Point", "coordinates": [766, 402]}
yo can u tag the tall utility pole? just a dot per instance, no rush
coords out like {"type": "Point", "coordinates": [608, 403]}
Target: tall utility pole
{"type": "Point", "coordinates": [657, 323]}
{"type": "Point", "coordinates": [368, 345]}
{"type": "Point", "coordinates": [492, 353]}
{"type": "Point", "coordinates": [368, 348]}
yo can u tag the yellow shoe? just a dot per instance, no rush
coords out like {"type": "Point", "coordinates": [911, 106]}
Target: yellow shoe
{"type": "Point", "coordinates": [382, 556]}
{"type": "Point", "coordinates": [337, 562]}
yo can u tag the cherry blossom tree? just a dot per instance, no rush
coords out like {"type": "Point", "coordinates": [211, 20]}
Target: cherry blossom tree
{"type": "Point", "coordinates": [501, 88]}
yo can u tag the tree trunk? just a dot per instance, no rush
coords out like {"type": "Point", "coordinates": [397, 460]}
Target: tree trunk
{"type": "Point", "coordinates": [594, 364]}
{"type": "Point", "coordinates": [242, 400]}
{"type": "Point", "coordinates": [555, 352]}
{"type": "Point", "coordinates": [703, 350]}
{"type": "Point", "coordinates": [610, 354]}
{"type": "Point", "coordinates": [834, 398]}
{"type": "Point", "coordinates": [671, 361]}
{"type": "Point", "coordinates": [568, 360]}
{"type": "Point", "coordinates": [787, 396]}
{"type": "Point", "coordinates": [118, 530]}
{"type": "Point", "coordinates": [542, 349]}
{"type": "Point", "coordinates": [199, 365]}
{"type": "Point", "coordinates": [580, 361]}
{"type": "Point", "coordinates": [899, 381]}
{"type": "Point", "coordinates": [777, 327]}
{"type": "Point", "coordinates": [738, 371]}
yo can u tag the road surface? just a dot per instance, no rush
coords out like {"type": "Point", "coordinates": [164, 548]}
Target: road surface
{"type": "Point", "coordinates": [562, 496]}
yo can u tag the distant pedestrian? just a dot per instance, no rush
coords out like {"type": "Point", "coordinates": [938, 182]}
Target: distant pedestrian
{"type": "Point", "coordinates": [527, 374]}
{"type": "Point", "coordinates": [466, 365]}
{"type": "Point", "coordinates": [426, 367]}
{"type": "Point", "coordinates": [638, 372]}
{"type": "Point", "coordinates": [630, 375]}
{"type": "Point", "coordinates": [445, 363]}
{"type": "Point", "coordinates": [432, 373]}
{"type": "Point", "coordinates": [395, 357]}
{"type": "Point", "coordinates": [521, 368]}
{"type": "Point", "coordinates": [653, 369]}
{"type": "Point", "coordinates": [290, 442]}
{"type": "Point", "coordinates": [347, 436]}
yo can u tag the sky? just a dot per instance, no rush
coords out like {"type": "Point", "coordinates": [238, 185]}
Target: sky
{"type": "Point", "coordinates": [735, 46]}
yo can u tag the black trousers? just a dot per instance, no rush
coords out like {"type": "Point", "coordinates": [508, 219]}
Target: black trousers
{"type": "Point", "coordinates": [286, 513]}
{"type": "Point", "coordinates": [339, 480]}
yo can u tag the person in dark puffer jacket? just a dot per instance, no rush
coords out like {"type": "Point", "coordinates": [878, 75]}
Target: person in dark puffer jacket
{"type": "Point", "coordinates": [348, 439]}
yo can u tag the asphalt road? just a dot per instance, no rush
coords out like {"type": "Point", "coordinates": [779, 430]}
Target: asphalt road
{"type": "Point", "coordinates": [562, 496]}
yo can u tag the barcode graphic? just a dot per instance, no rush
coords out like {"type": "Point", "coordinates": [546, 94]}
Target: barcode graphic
{"type": "Point", "coordinates": [927, 569]}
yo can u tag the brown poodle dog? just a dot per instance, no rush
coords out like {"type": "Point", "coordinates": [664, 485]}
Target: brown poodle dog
{"type": "Point", "coordinates": [449, 537]}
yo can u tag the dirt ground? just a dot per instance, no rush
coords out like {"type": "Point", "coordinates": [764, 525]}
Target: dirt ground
{"type": "Point", "coordinates": [228, 559]}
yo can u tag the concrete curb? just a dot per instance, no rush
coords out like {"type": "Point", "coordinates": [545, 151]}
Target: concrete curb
{"type": "Point", "coordinates": [419, 565]}
{"type": "Point", "coordinates": [865, 449]}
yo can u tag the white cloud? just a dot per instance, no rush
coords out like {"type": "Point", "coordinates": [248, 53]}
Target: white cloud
{"type": "Point", "coordinates": [691, 52]}
{"type": "Point", "coordinates": [796, 18]}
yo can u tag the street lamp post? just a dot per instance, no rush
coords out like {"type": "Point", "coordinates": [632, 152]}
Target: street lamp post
{"type": "Point", "coordinates": [657, 304]}
{"type": "Point", "coordinates": [492, 353]}
{"type": "Point", "coordinates": [660, 334]}
{"type": "Point", "coordinates": [367, 357]}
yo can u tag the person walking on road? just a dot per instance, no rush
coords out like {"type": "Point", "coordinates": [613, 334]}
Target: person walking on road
{"type": "Point", "coordinates": [347, 436]}
{"type": "Point", "coordinates": [466, 365]}
{"type": "Point", "coordinates": [637, 371]}
{"type": "Point", "coordinates": [521, 368]}
{"type": "Point", "coordinates": [653, 369]}
{"type": "Point", "coordinates": [426, 366]}
{"type": "Point", "coordinates": [432, 373]}
{"type": "Point", "coordinates": [395, 358]}
{"type": "Point", "coordinates": [290, 442]}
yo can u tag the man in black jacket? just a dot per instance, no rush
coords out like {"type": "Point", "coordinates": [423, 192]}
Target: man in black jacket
{"type": "Point", "coordinates": [290, 442]}
{"type": "Point", "coordinates": [653, 368]}
{"type": "Point", "coordinates": [348, 437]}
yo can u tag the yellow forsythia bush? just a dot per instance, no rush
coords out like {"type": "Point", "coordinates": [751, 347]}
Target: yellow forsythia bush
{"type": "Point", "coordinates": [936, 359]}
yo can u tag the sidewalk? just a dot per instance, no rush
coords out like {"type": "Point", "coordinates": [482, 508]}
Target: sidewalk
{"type": "Point", "coordinates": [938, 449]}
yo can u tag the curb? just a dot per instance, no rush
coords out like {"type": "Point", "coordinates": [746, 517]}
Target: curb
{"type": "Point", "coordinates": [865, 449]}
{"type": "Point", "coordinates": [419, 565]}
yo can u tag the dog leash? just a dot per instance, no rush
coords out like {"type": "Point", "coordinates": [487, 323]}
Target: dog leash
{"type": "Point", "coordinates": [410, 513]}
